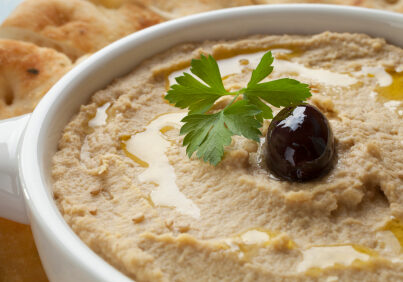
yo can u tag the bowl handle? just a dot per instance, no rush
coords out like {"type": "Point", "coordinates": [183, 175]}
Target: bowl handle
{"type": "Point", "coordinates": [12, 205]}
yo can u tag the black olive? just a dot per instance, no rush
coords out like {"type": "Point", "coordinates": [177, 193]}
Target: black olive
{"type": "Point", "coordinates": [300, 143]}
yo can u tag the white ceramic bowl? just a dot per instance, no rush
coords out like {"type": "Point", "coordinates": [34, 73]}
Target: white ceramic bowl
{"type": "Point", "coordinates": [64, 256]}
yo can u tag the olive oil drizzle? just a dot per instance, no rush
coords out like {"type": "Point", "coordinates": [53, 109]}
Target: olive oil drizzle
{"type": "Point", "coordinates": [130, 155]}
{"type": "Point", "coordinates": [317, 258]}
{"type": "Point", "coordinates": [234, 62]}
{"type": "Point", "coordinates": [224, 54]}
{"type": "Point", "coordinates": [396, 227]}
{"type": "Point", "coordinates": [246, 244]}
{"type": "Point", "coordinates": [393, 91]}
{"type": "Point", "coordinates": [148, 149]}
{"type": "Point", "coordinates": [100, 117]}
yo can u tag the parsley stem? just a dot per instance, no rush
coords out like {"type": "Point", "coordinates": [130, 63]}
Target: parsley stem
{"type": "Point", "coordinates": [240, 91]}
{"type": "Point", "coordinates": [233, 100]}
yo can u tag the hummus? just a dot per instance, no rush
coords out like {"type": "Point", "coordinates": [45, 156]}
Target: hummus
{"type": "Point", "coordinates": [124, 184]}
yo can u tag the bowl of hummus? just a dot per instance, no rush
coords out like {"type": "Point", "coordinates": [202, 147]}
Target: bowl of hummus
{"type": "Point", "coordinates": [111, 194]}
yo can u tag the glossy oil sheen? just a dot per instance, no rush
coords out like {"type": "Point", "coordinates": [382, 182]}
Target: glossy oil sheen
{"type": "Point", "coordinates": [393, 90]}
{"type": "Point", "coordinates": [300, 143]}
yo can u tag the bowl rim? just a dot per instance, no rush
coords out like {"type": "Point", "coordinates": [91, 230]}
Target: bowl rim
{"type": "Point", "coordinates": [41, 206]}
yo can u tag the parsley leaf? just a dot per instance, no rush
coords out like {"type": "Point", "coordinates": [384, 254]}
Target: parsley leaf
{"type": "Point", "coordinates": [191, 93]}
{"type": "Point", "coordinates": [266, 111]}
{"type": "Point", "coordinates": [206, 134]}
{"type": "Point", "coordinates": [207, 70]}
{"type": "Point", "coordinates": [281, 92]}
{"type": "Point", "coordinates": [240, 120]}
{"type": "Point", "coordinates": [263, 69]}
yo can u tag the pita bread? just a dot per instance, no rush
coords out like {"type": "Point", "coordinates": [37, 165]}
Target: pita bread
{"type": "Point", "coordinates": [170, 9]}
{"type": "Point", "coordinates": [390, 5]}
{"type": "Point", "coordinates": [21, 34]}
{"type": "Point", "coordinates": [27, 72]}
{"type": "Point", "coordinates": [113, 4]}
{"type": "Point", "coordinates": [76, 25]}
{"type": "Point", "coordinates": [178, 8]}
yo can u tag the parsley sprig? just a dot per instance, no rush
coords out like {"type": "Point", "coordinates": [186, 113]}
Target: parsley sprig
{"type": "Point", "coordinates": [208, 133]}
